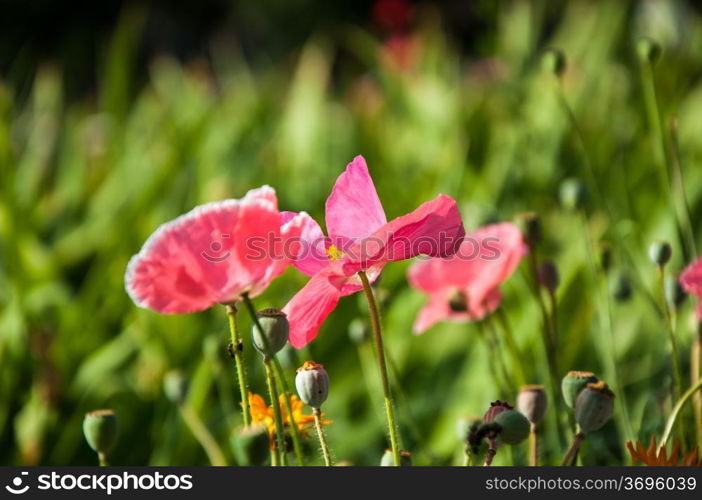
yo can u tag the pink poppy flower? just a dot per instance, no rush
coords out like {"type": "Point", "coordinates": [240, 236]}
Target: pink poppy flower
{"type": "Point", "coordinates": [212, 254]}
{"type": "Point", "coordinates": [465, 286]}
{"type": "Point", "coordinates": [361, 239]}
{"type": "Point", "coordinates": [691, 281]}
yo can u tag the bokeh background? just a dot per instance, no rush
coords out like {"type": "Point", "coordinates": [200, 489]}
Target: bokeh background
{"type": "Point", "coordinates": [115, 118]}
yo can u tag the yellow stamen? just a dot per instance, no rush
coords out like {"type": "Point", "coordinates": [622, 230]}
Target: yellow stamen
{"type": "Point", "coordinates": [334, 253]}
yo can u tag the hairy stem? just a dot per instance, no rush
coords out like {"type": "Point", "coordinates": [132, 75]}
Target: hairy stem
{"type": "Point", "coordinates": [238, 353]}
{"type": "Point", "coordinates": [322, 438]}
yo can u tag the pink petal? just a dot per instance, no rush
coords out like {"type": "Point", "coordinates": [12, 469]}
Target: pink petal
{"type": "Point", "coordinates": [691, 278]}
{"type": "Point", "coordinates": [312, 254]}
{"type": "Point", "coordinates": [353, 210]}
{"type": "Point", "coordinates": [197, 259]}
{"type": "Point", "coordinates": [437, 309]}
{"type": "Point", "coordinates": [308, 309]}
{"type": "Point", "coordinates": [435, 228]}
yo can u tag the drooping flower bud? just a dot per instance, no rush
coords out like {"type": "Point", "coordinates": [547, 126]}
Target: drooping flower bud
{"type": "Point", "coordinates": [660, 252]}
{"type": "Point", "coordinates": [530, 224]}
{"type": "Point", "coordinates": [554, 61]}
{"type": "Point", "coordinates": [594, 406]}
{"type": "Point", "coordinates": [573, 383]}
{"type": "Point", "coordinates": [250, 445]}
{"type": "Point", "coordinates": [312, 384]}
{"type": "Point", "coordinates": [674, 293]}
{"type": "Point", "coordinates": [276, 329]}
{"type": "Point", "coordinates": [100, 430]}
{"type": "Point", "coordinates": [648, 50]}
{"type": "Point", "coordinates": [532, 402]}
{"type": "Point", "coordinates": [359, 331]}
{"type": "Point", "coordinates": [175, 385]}
{"type": "Point", "coordinates": [572, 194]}
{"type": "Point", "coordinates": [514, 427]}
{"type": "Point", "coordinates": [388, 459]}
{"type": "Point", "coordinates": [548, 276]}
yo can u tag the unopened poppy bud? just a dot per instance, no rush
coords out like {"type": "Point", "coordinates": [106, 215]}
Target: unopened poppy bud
{"type": "Point", "coordinates": [532, 402]}
{"type": "Point", "coordinates": [594, 406]}
{"type": "Point", "coordinates": [100, 430]}
{"type": "Point", "coordinates": [514, 427]}
{"type": "Point", "coordinates": [548, 276]}
{"type": "Point", "coordinates": [573, 383]}
{"type": "Point", "coordinates": [358, 330]}
{"type": "Point", "coordinates": [250, 445]}
{"type": "Point", "coordinates": [312, 383]}
{"type": "Point", "coordinates": [648, 50]}
{"type": "Point", "coordinates": [175, 385]}
{"type": "Point", "coordinates": [572, 194]}
{"type": "Point", "coordinates": [674, 293]}
{"type": "Point", "coordinates": [554, 61]}
{"type": "Point", "coordinates": [458, 301]}
{"type": "Point", "coordinates": [660, 252]}
{"type": "Point", "coordinates": [620, 287]}
{"type": "Point", "coordinates": [530, 224]}
{"type": "Point", "coordinates": [275, 328]}
{"type": "Point", "coordinates": [388, 459]}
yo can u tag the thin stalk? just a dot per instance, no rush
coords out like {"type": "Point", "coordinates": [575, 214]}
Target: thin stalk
{"type": "Point", "coordinates": [467, 456]}
{"type": "Point", "coordinates": [489, 456]}
{"type": "Point", "coordinates": [322, 438]}
{"type": "Point", "coordinates": [203, 436]}
{"type": "Point", "coordinates": [238, 352]}
{"type": "Point", "coordinates": [533, 446]}
{"type": "Point", "coordinates": [677, 377]}
{"type": "Point", "coordinates": [573, 450]}
{"type": "Point", "coordinates": [498, 370]}
{"type": "Point", "coordinates": [511, 344]}
{"type": "Point", "coordinates": [680, 195]}
{"type": "Point", "coordinates": [275, 403]}
{"type": "Point", "coordinates": [696, 376]}
{"type": "Point", "coordinates": [294, 431]}
{"type": "Point", "coordinates": [676, 411]}
{"type": "Point", "coordinates": [102, 458]}
{"type": "Point", "coordinates": [377, 336]}
{"type": "Point", "coordinates": [497, 353]}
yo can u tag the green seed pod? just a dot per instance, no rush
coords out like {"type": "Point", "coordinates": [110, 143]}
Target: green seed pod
{"type": "Point", "coordinates": [660, 252]}
{"type": "Point", "coordinates": [548, 276]}
{"type": "Point", "coordinates": [530, 224]}
{"type": "Point", "coordinates": [648, 50]}
{"type": "Point", "coordinates": [594, 407]}
{"type": "Point", "coordinates": [514, 425]}
{"type": "Point", "coordinates": [312, 384]}
{"type": "Point", "coordinates": [100, 430]}
{"type": "Point", "coordinates": [554, 61]}
{"type": "Point", "coordinates": [573, 383]}
{"type": "Point", "coordinates": [674, 293]}
{"type": "Point", "coordinates": [358, 330]}
{"type": "Point", "coordinates": [573, 194]}
{"type": "Point", "coordinates": [620, 287]}
{"type": "Point", "coordinates": [276, 329]}
{"type": "Point", "coordinates": [532, 402]}
{"type": "Point", "coordinates": [175, 385]}
{"type": "Point", "coordinates": [250, 445]}
{"type": "Point", "coordinates": [388, 460]}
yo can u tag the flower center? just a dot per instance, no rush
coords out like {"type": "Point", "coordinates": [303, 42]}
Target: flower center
{"type": "Point", "coordinates": [334, 253]}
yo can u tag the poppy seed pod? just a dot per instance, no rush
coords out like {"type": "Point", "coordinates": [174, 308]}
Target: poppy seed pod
{"type": "Point", "coordinates": [648, 50]}
{"type": "Point", "coordinates": [660, 252]}
{"type": "Point", "coordinates": [275, 327]}
{"type": "Point", "coordinates": [496, 407]}
{"type": "Point", "coordinates": [312, 383]}
{"type": "Point", "coordinates": [594, 406]}
{"type": "Point", "coordinates": [175, 385]}
{"type": "Point", "coordinates": [100, 430]}
{"type": "Point", "coordinates": [532, 402]}
{"type": "Point", "coordinates": [388, 459]}
{"type": "Point", "coordinates": [572, 194]}
{"type": "Point", "coordinates": [573, 383]}
{"type": "Point", "coordinates": [548, 276]}
{"type": "Point", "coordinates": [514, 425]}
{"type": "Point", "coordinates": [554, 61]}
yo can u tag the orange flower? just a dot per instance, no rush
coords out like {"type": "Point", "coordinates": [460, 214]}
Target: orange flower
{"type": "Point", "coordinates": [654, 456]}
{"type": "Point", "coordinates": [263, 414]}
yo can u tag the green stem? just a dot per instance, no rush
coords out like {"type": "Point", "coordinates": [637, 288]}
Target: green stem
{"type": "Point", "coordinates": [680, 195]}
{"type": "Point", "coordinates": [203, 436]}
{"type": "Point", "coordinates": [489, 456]}
{"type": "Point", "coordinates": [497, 368]}
{"type": "Point", "coordinates": [380, 352]}
{"type": "Point", "coordinates": [102, 458]}
{"type": "Point", "coordinates": [320, 434]}
{"type": "Point", "coordinates": [676, 411]}
{"type": "Point", "coordinates": [677, 377]}
{"type": "Point", "coordinates": [573, 450]}
{"type": "Point", "coordinates": [695, 377]}
{"type": "Point", "coordinates": [497, 354]}
{"type": "Point", "coordinates": [279, 428]}
{"type": "Point", "coordinates": [533, 446]}
{"type": "Point", "coordinates": [294, 431]}
{"type": "Point", "coordinates": [467, 456]}
{"type": "Point", "coordinates": [238, 352]}
{"type": "Point", "coordinates": [512, 346]}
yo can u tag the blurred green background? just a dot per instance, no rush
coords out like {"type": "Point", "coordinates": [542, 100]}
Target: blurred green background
{"type": "Point", "coordinates": [100, 142]}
